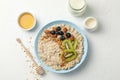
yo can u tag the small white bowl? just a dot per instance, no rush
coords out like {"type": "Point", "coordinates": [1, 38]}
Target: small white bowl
{"type": "Point", "coordinates": [90, 23]}
{"type": "Point", "coordinates": [33, 23]}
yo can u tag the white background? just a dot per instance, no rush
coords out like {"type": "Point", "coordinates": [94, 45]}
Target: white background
{"type": "Point", "coordinates": [103, 60]}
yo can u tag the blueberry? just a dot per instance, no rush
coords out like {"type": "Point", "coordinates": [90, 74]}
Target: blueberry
{"type": "Point", "coordinates": [52, 32]}
{"type": "Point", "coordinates": [68, 35]}
{"type": "Point", "coordinates": [58, 33]}
{"type": "Point", "coordinates": [62, 38]}
{"type": "Point", "coordinates": [58, 28]}
{"type": "Point", "coordinates": [61, 32]}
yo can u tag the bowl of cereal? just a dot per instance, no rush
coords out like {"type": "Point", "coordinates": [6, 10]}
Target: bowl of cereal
{"type": "Point", "coordinates": [61, 46]}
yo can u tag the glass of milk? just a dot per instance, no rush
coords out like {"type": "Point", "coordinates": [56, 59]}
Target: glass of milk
{"type": "Point", "coordinates": [77, 7]}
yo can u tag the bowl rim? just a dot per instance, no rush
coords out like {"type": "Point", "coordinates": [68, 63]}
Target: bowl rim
{"type": "Point", "coordinates": [33, 23]}
{"type": "Point", "coordinates": [60, 22]}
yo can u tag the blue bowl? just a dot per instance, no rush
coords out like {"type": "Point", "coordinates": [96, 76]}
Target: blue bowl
{"type": "Point", "coordinates": [72, 25]}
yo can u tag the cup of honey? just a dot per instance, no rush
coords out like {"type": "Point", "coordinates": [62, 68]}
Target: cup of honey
{"type": "Point", "coordinates": [27, 21]}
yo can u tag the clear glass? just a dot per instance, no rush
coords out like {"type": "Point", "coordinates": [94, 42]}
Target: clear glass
{"type": "Point", "coordinates": [77, 12]}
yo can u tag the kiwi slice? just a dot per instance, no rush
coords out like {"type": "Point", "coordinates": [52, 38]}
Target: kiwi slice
{"type": "Point", "coordinates": [67, 44]}
{"type": "Point", "coordinates": [68, 53]}
{"type": "Point", "coordinates": [75, 42]}
{"type": "Point", "coordinates": [72, 56]}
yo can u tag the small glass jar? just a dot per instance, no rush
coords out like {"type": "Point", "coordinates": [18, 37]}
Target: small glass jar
{"type": "Point", "coordinates": [77, 7]}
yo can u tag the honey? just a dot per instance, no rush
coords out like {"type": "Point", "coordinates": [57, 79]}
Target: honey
{"type": "Point", "coordinates": [26, 20]}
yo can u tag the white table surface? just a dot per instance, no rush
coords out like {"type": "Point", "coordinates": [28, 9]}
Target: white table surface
{"type": "Point", "coordinates": [103, 60]}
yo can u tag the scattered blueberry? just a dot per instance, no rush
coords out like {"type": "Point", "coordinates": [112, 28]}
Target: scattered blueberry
{"type": "Point", "coordinates": [58, 28]}
{"type": "Point", "coordinates": [62, 38]}
{"type": "Point", "coordinates": [68, 35]}
{"type": "Point", "coordinates": [52, 32]}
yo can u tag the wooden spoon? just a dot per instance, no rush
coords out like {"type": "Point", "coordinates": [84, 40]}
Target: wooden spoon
{"type": "Point", "coordinates": [39, 69]}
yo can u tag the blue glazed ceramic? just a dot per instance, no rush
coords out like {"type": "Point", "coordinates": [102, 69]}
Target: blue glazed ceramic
{"type": "Point", "coordinates": [72, 25]}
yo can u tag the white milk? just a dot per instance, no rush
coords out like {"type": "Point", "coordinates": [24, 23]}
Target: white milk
{"type": "Point", "coordinates": [90, 23]}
